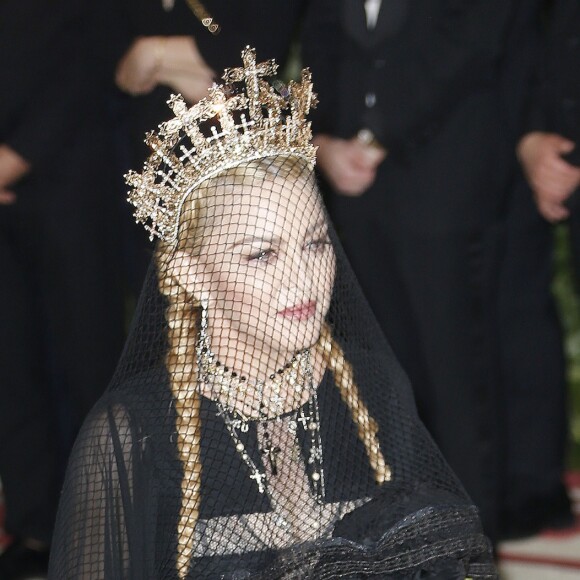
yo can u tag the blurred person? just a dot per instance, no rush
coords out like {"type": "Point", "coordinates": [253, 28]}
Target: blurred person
{"type": "Point", "coordinates": [535, 422]}
{"type": "Point", "coordinates": [165, 47]}
{"type": "Point", "coordinates": [547, 153]}
{"type": "Point", "coordinates": [416, 159]}
{"type": "Point", "coordinates": [60, 305]}
{"type": "Point", "coordinates": [548, 150]}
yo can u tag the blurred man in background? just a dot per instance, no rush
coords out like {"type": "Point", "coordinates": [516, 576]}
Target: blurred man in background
{"type": "Point", "coordinates": [60, 302]}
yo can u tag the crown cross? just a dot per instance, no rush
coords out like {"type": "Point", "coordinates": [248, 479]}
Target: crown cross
{"type": "Point", "coordinates": [224, 107]}
{"type": "Point", "coordinates": [251, 73]}
{"type": "Point", "coordinates": [226, 129]}
{"type": "Point", "coordinates": [302, 97]}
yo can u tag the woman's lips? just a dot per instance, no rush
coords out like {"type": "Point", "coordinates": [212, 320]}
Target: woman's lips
{"type": "Point", "coordinates": [300, 311]}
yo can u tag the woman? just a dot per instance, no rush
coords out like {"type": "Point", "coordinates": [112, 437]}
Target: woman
{"type": "Point", "coordinates": [258, 425]}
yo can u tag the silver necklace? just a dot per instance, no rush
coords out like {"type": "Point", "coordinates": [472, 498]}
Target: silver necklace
{"type": "Point", "coordinates": [306, 418]}
{"type": "Point", "coordinates": [296, 375]}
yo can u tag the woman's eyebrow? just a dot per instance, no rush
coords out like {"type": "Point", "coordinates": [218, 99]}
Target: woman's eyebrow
{"type": "Point", "coordinates": [251, 239]}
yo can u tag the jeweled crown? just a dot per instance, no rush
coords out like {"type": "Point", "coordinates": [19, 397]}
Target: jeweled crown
{"type": "Point", "coordinates": [244, 119]}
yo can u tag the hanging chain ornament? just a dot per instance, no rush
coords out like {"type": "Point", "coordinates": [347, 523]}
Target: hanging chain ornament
{"type": "Point", "coordinates": [199, 11]}
{"type": "Point", "coordinates": [204, 16]}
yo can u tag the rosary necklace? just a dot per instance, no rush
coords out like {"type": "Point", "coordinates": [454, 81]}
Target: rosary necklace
{"type": "Point", "coordinates": [228, 385]}
{"type": "Point", "coordinates": [298, 373]}
{"type": "Point", "coordinates": [306, 418]}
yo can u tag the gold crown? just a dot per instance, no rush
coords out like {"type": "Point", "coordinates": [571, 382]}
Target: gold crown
{"type": "Point", "coordinates": [224, 130]}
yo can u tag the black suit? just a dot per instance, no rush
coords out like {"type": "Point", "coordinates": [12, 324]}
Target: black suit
{"type": "Point", "coordinates": [534, 400]}
{"type": "Point", "coordinates": [535, 367]}
{"type": "Point", "coordinates": [60, 304]}
{"type": "Point", "coordinates": [423, 238]}
{"type": "Point", "coordinates": [556, 100]}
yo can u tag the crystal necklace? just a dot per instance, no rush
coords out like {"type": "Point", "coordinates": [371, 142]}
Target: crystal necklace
{"type": "Point", "coordinates": [284, 386]}
{"type": "Point", "coordinates": [306, 418]}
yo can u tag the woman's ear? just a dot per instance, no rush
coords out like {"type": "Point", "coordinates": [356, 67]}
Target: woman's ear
{"type": "Point", "coordinates": [185, 269]}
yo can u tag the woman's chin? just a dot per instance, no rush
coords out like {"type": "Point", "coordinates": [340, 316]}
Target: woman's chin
{"type": "Point", "coordinates": [305, 339]}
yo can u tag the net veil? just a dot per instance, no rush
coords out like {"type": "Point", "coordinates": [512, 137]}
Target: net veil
{"type": "Point", "coordinates": [258, 425]}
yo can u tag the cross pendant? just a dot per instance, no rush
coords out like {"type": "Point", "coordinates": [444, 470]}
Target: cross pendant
{"type": "Point", "coordinates": [259, 477]}
{"type": "Point", "coordinates": [303, 419]}
{"type": "Point", "coordinates": [271, 453]}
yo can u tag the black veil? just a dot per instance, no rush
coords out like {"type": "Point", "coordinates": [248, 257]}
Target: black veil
{"type": "Point", "coordinates": [258, 424]}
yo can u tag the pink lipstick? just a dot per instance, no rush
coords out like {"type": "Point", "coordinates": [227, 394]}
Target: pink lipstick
{"type": "Point", "coordinates": [300, 311]}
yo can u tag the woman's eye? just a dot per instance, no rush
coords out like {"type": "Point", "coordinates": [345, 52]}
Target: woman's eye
{"type": "Point", "coordinates": [262, 255]}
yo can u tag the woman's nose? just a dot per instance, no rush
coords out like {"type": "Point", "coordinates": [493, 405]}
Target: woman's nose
{"type": "Point", "coordinates": [296, 281]}
{"type": "Point", "coordinates": [301, 272]}
{"type": "Point", "coordinates": [294, 295]}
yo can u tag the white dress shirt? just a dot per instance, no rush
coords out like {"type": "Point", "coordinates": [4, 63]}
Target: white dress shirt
{"type": "Point", "coordinates": [372, 8]}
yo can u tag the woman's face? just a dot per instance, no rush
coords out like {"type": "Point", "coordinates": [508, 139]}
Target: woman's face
{"type": "Point", "coordinates": [266, 267]}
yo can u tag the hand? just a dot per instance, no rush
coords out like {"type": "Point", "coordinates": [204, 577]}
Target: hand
{"type": "Point", "coordinates": [13, 167]}
{"type": "Point", "coordinates": [7, 197]}
{"type": "Point", "coordinates": [349, 165]}
{"type": "Point", "coordinates": [136, 72]}
{"type": "Point", "coordinates": [192, 86]}
{"type": "Point", "coordinates": [184, 70]}
{"type": "Point", "coordinates": [551, 178]}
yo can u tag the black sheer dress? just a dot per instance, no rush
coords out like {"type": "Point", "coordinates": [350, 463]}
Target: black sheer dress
{"type": "Point", "coordinates": [258, 425]}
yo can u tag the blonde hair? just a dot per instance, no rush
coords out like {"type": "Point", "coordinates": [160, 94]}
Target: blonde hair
{"type": "Point", "coordinates": [182, 316]}
{"type": "Point", "coordinates": [344, 380]}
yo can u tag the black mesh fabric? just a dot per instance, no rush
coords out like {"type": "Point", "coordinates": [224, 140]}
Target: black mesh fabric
{"type": "Point", "coordinates": [258, 424]}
